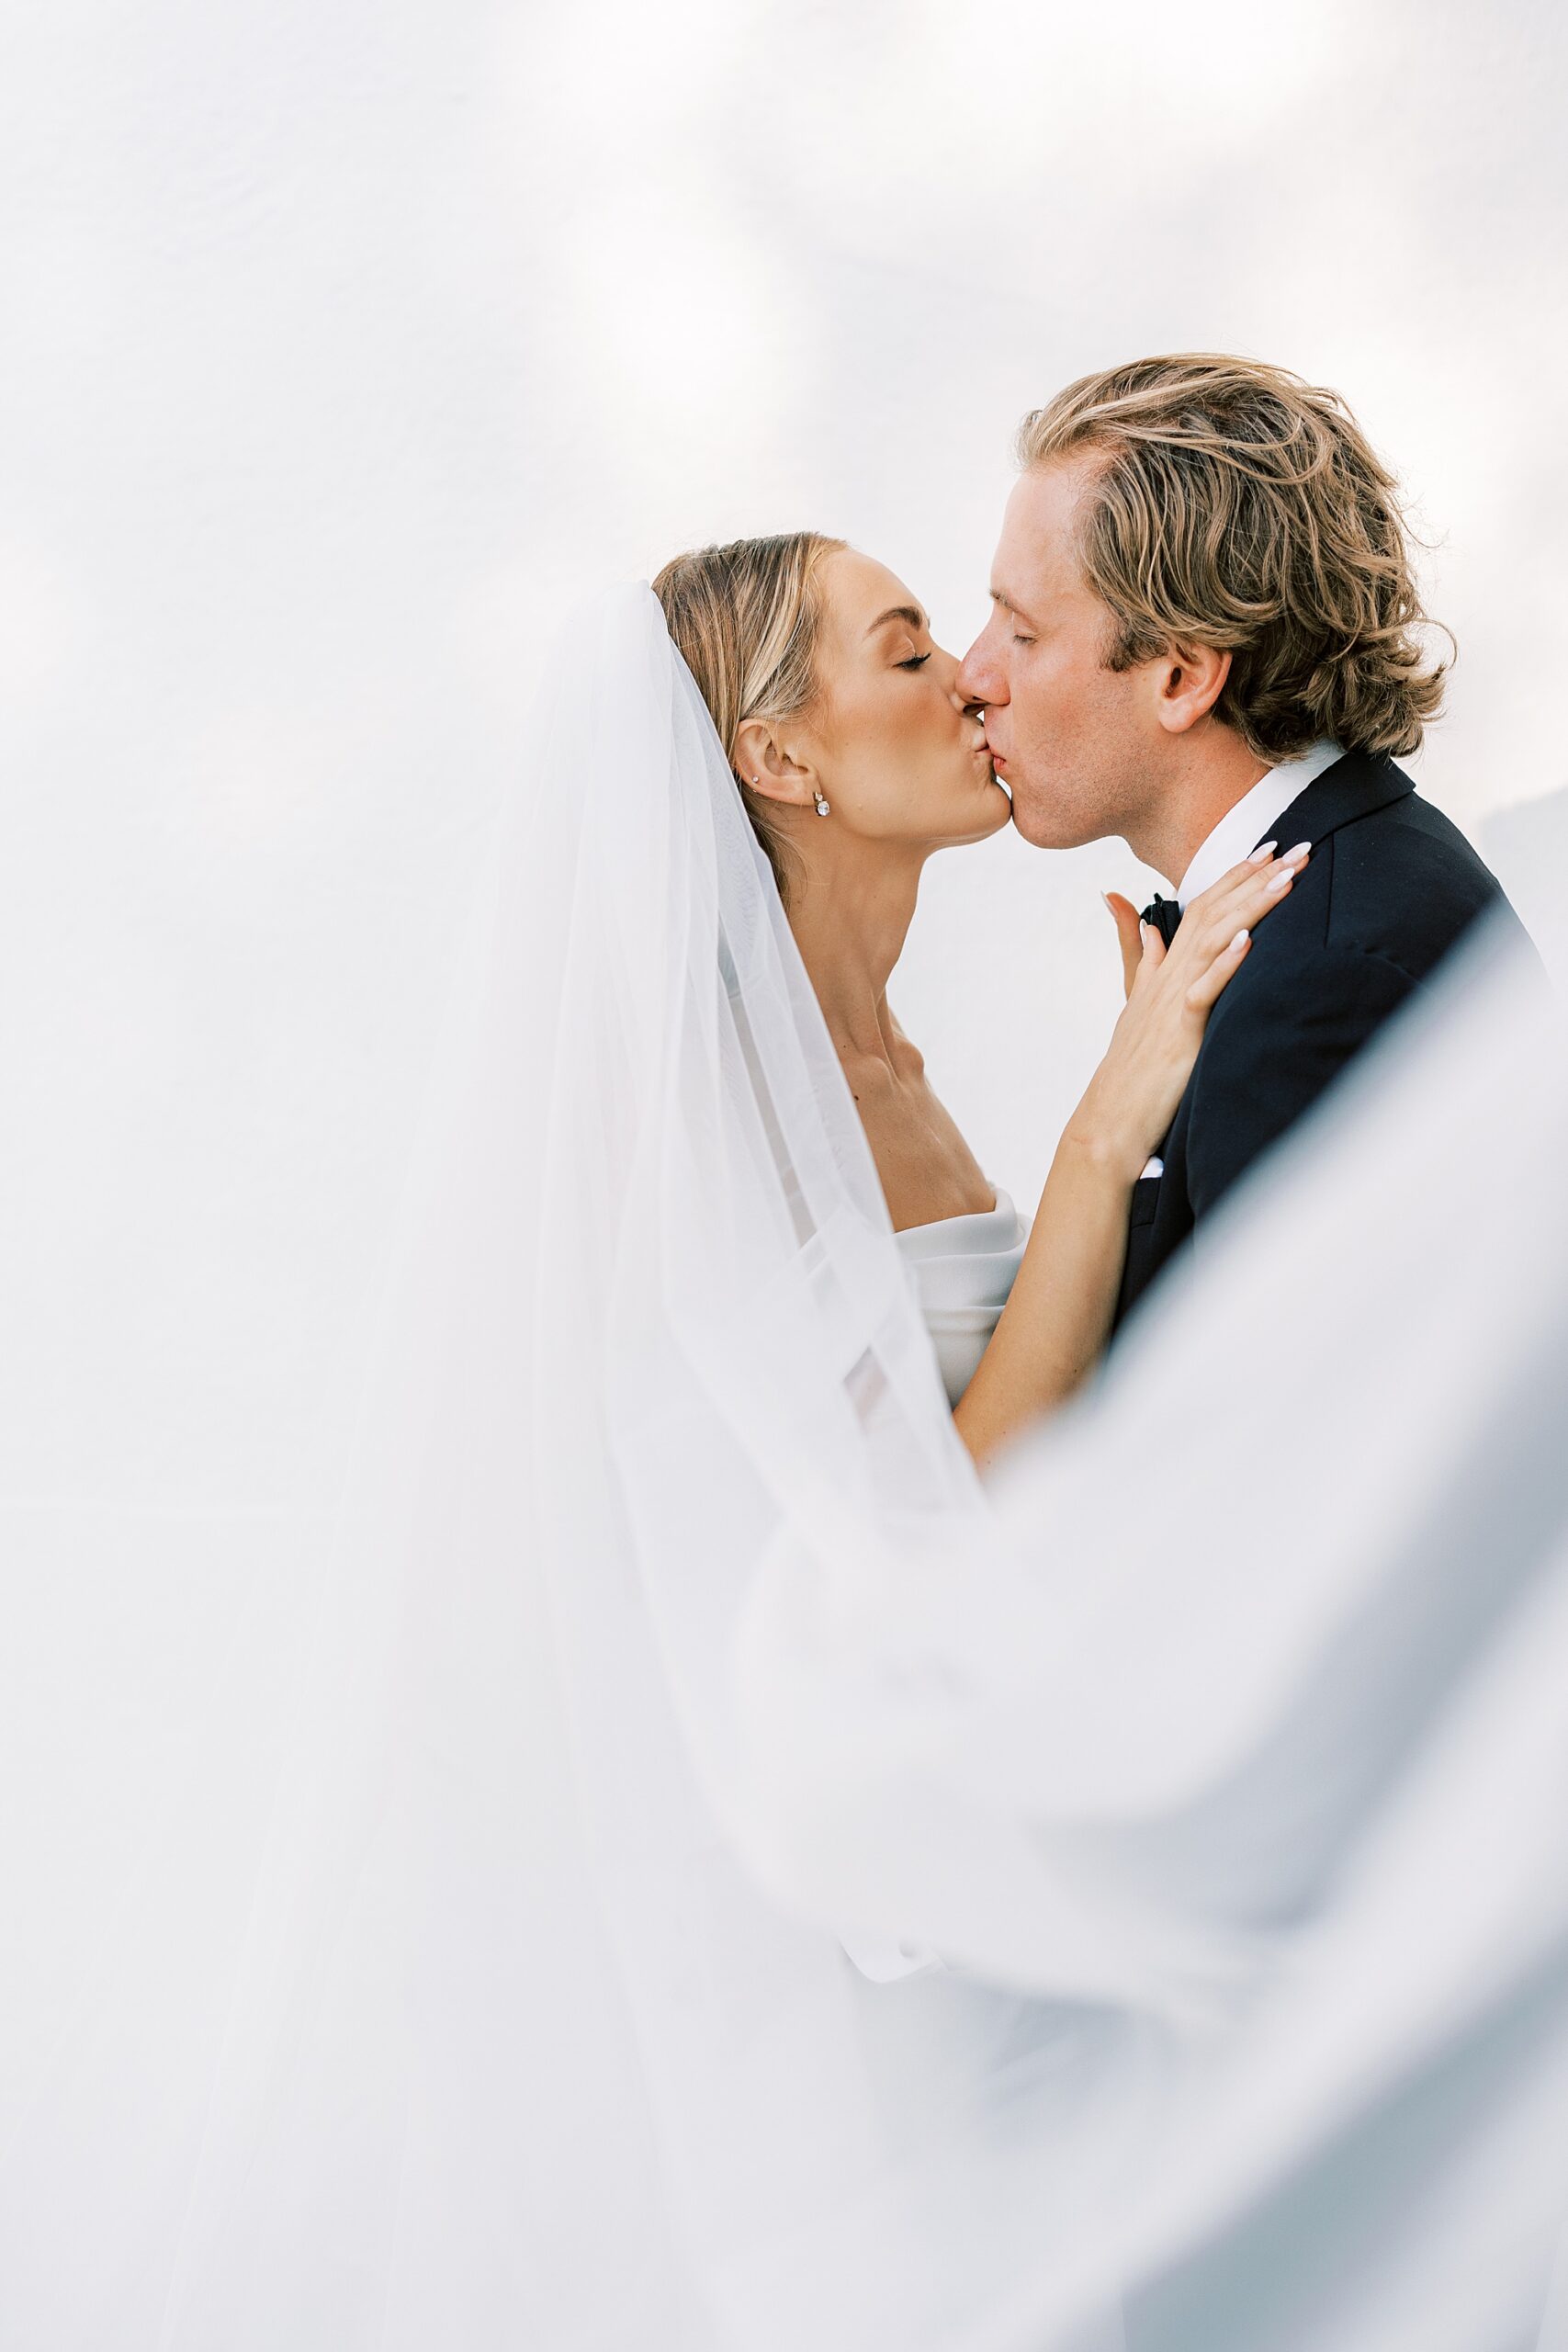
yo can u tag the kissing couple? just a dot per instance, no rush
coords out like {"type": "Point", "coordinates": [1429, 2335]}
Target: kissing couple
{"type": "Point", "coordinates": [920, 1792]}
{"type": "Point", "coordinates": [774, 1802]}
{"type": "Point", "coordinates": [1205, 639]}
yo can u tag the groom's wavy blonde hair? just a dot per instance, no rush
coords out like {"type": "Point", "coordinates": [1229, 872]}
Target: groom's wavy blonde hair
{"type": "Point", "coordinates": [1234, 506]}
{"type": "Point", "coordinates": [746, 619]}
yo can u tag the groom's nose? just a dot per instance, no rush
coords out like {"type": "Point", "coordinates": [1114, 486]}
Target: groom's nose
{"type": "Point", "coordinates": [980, 675]}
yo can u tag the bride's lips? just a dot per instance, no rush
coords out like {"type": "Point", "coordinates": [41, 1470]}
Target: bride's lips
{"type": "Point", "coordinates": [995, 768]}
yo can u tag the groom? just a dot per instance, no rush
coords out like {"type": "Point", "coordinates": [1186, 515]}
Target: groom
{"type": "Point", "coordinates": [1205, 635]}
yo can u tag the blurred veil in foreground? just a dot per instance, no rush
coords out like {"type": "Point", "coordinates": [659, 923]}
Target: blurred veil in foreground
{"type": "Point", "coordinates": [427, 1915]}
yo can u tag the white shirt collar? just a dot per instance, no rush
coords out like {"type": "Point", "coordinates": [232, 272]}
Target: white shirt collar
{"type": "Point", "coordinates": [1241, 829]}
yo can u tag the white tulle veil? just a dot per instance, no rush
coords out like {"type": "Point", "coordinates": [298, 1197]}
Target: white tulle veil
{"type": "Point", "coordinates": [458, 1953]}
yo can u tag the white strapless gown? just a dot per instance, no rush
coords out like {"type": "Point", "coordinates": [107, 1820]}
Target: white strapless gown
{"type": "Point", "coordinates": [963, 1269]}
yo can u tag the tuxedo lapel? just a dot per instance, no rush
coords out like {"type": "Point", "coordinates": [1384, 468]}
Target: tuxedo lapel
{"type": "Point", "coordinates": [1357, 785]}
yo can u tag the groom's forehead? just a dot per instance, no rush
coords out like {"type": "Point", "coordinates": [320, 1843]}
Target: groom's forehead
{"type": "Point", "coordinates": [1037, 553]}
{"type": "Point", "coordinates": [1043, 506]}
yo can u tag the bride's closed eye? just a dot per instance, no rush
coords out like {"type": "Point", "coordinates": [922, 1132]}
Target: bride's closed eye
{"type": "Point", "coordinates": [916, 661]}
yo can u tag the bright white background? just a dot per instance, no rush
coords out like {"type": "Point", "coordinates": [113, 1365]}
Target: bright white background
{"type": "Point", "coordinates": [345, 342]}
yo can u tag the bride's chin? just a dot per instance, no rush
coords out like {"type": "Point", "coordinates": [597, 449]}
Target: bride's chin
{"type": "Point", "coordinates": [999, 809]}
{"type": "Point", "coordinates": [990, 824]}
{"type": "Point", "coordinates": [978, 818]}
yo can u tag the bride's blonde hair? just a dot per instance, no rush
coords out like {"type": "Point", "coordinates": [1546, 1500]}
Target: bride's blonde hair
{"type": "Point", "coordinates": [745, 618]}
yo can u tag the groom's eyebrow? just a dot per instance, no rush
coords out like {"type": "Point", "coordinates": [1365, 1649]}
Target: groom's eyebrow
{"type": "Point", "coordinates": [1000, 596]}
{"type": "Point", "coordinates": [910, 613]}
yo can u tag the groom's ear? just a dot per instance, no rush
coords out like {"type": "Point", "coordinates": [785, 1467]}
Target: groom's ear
{"type": "Point", "coordinates": [767, 767]}
{"type": "Point", "coordinates": [1189, 680]}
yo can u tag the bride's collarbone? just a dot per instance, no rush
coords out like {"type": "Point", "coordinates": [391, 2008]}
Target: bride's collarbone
{"type": "Point", "coordinates": [927, 1171]}
{"type": "Point", "coordinates": [891, 1088]}
{"type": "Point", "coordinates": [884, 1077]}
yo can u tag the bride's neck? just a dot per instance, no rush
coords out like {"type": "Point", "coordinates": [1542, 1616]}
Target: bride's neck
{"type": "Point", "coordinates": [851, 914]}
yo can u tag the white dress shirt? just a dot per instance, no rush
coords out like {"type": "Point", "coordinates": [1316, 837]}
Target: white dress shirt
{"type": "Point", "coordinates": [1241, 829]}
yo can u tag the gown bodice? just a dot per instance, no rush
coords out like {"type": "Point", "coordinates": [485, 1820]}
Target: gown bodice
{"type": "Point", "coordinates": [962, 1268]}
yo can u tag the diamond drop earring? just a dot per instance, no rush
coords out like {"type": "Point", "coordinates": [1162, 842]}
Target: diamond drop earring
{"type": "Point", "coordinates": [821, 804]}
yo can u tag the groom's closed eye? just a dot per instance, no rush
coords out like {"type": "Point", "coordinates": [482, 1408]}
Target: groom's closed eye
{"type": "Point", "coordinates": [1022, 633]}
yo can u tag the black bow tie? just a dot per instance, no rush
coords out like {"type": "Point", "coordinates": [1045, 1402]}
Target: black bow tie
{"type": "Point", "coordinates": [1165, 915]}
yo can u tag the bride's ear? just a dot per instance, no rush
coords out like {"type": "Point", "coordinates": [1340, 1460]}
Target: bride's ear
{"type": "Point", "coordinates": [767, 769]}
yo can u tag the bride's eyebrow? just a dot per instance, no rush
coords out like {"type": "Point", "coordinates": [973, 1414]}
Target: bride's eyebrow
{"type": "Point", "coordinates": [910, 613]}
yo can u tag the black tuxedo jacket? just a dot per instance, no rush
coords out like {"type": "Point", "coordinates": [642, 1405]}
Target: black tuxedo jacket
{"type": "Point", "coordinates": [1391, 886]}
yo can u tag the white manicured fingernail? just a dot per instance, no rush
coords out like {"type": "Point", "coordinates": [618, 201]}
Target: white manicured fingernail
{"type": "Point", "coordinates": [1261, 857]}
{"type": "Point", "coordinates": [1299, 850]}
{"type": "Point", "coordinates": [1278, 882]}
{"type": "Point", "coordinates": [1240, 940]}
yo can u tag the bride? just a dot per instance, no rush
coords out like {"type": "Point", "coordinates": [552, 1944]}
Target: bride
{"type": "Point", "coordinates": [833, 703]}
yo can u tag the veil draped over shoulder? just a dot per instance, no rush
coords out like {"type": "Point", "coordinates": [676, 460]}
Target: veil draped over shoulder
{"type": "Point", "coordinates": [428, 1915]}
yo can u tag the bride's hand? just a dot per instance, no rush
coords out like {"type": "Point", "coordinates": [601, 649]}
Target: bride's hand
{"type": "Point", "coordinates": [1131, 1098]}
